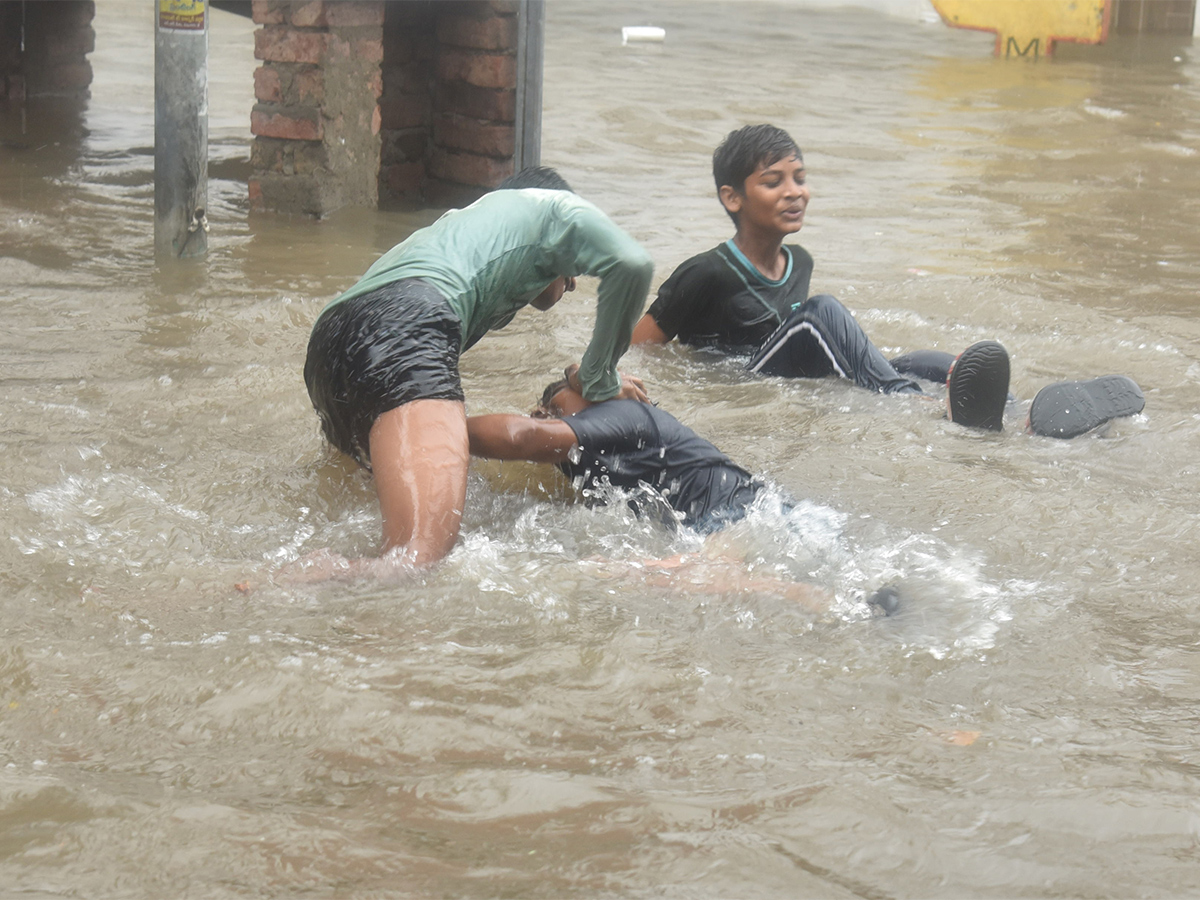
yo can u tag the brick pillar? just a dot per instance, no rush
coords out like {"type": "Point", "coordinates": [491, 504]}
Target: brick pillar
{"type": "Point", "coordinates": [449, 79]}
{"type": "Point", "coordinates": [409, 43]}
{"type": "Point", "coordinates": [474, 105]}
{"type": "Point", "coordinates": [58, 37]}
{"type": "Point", "coordinates": [12, 75]}
{"type": "Point", "coordinates": [317, 119]}
{"type": "Point", "coordinates": [373, 103]}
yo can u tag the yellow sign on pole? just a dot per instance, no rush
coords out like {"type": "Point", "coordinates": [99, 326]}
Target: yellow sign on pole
{"type": "Point", "coordinates": [181, 15]}
{"type": "Point", "coordinates": [1029, 28]}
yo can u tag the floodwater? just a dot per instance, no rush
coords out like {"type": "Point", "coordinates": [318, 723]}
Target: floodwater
{"type": "Point", "coordinates": [537, 717]}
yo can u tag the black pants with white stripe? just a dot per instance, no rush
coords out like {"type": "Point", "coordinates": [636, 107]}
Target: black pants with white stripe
{"type": "Point", "coordinates": [822, 338]}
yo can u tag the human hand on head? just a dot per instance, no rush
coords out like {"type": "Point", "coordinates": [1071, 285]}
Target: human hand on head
{"type": "Point", "coordinates": [632, 389]}
{"type": "Point", "coordinates": [571, 373]}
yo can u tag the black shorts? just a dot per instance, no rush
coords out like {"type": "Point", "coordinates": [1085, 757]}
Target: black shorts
{"type": "Point", "coordinates": [370, 354]}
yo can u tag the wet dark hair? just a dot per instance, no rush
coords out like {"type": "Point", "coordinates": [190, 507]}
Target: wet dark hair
{"type": "Point", "coordinates": [535, 177]}
{"type": "Point", "coordinates": [745, 149]}
{"type": "Point", "coordinates": [548, 395]}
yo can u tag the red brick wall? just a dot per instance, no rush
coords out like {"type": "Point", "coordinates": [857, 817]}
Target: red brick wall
{"type": "Point", "coordinates": [406, 105]}
{"type": "Point", "coordinates": [317, 118]}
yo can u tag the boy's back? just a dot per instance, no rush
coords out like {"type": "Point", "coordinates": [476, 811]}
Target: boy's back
{"type": "Point", "coordinates": [629, 443]}
{"type": "Point", "coordinates": [491, 258]}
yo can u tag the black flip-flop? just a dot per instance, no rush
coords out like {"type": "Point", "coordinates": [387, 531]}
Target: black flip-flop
{"type": "Point", "coordinates": [1071, 408]}
{"type": "Point", "coordinates": [977, 387]}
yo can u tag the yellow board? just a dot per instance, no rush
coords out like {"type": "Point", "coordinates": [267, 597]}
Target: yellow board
{"type": "Point", "coordinates": [1029, 28]}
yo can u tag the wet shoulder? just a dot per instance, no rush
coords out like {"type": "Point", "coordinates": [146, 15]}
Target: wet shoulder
{"type": "Point", "coordinates": [802, 266]}
{"type": "Point", "coordinates": [708, 262]}
{"type": "Point", "coordinates": [526, 204]}
{"type": "Point", "coordinates": [801, 258]}
{"type": "Point", "coordinates": [704, 274]}
{"type": "Point", "coordinates": [542, 204]}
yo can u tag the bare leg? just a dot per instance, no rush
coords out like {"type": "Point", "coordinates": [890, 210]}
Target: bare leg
{"type": "Point", "coordinates": [419, 456]}
{"type": "Point", "coordinates": [706, 573]}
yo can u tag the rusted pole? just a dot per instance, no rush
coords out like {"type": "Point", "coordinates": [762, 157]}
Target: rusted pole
{"type": "Point", "coordinates": [180, 128]}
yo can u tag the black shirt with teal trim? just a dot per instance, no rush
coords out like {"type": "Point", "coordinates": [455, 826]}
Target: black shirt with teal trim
{"type": "Point", "coordinates": [633, 445]}
{"type": "Point", "coordinates": [718, 299]}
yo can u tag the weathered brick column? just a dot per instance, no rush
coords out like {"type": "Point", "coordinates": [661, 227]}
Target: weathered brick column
{"type": "Point", "coordinates": [316, 122]}
{"type": "Point", "coordinates": [368, 103]}
{"type": "Point", "coordinates": [406, 106]}
{"type": "Point", "coordinates": [58, 38]}
{"type": "Point", "coordinates": [474, 90]}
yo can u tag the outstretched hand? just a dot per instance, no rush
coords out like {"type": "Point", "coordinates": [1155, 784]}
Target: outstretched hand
{"type": "Point", "coordinates": [707, 573]}
{"type": "Point", "coordinates": [317, 566]}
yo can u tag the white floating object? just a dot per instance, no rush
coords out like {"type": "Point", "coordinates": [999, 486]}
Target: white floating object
{"type": "Point", "coordinates": [642, 33]}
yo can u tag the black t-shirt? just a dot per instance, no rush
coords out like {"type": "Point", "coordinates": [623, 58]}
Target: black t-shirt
{"type": "Point", "coordinates": [718, 298]}
{"type": "Point", "coordinates": [631, 444]}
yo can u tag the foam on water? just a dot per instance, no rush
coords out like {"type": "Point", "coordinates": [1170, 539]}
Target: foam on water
{"type": "Point", "coordinates": [520, 546]}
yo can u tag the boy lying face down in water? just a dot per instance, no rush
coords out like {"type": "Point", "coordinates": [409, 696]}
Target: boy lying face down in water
{"type": "Point", "coordinates": [637, 446]}
{"type": "Point", "coordinates": [749, 295]}
{"type": "Point", "coordinates": [626, 444]}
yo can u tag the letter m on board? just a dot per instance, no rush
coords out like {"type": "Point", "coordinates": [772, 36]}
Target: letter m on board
{"type": "Point", "coordinates": [1012, 48]}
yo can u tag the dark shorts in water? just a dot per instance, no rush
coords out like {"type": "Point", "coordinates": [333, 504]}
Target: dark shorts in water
{"type": "Point", "coordinates": [369, 354]}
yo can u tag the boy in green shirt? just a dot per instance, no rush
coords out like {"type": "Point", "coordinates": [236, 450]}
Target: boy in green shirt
{"type": "Point", "coordinates": [382, 365]}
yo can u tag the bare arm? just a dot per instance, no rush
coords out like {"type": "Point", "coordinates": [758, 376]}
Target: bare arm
{"type": "Point", "coordinates": [647, 332]}
{"type": "Point", "coordinates": [502, 436]}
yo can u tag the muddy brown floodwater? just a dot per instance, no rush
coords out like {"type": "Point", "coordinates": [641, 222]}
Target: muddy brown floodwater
{"type": "Point", "coordinates": [533, 718]}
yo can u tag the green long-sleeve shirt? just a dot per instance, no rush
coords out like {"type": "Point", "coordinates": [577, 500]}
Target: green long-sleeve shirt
{"type": "Point", "coordinates": [493, 257]}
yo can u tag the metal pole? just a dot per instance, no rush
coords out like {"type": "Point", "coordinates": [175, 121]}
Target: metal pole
{"type": "Point", "coordinates": [180, 128]}
{"type": "Point", "coordinates": [531, 36]}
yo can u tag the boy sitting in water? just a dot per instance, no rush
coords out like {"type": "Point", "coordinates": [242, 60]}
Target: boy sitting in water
{"type": "Point", "coordinates": [749, 295]}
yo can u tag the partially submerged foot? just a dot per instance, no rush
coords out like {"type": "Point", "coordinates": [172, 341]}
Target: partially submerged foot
{"type": "Point", "coordinates": [977, 388]}
{"type": "Point", "coordinates": [1071, 408]}
{"type": "Point", "coordinates": [886, 599]}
